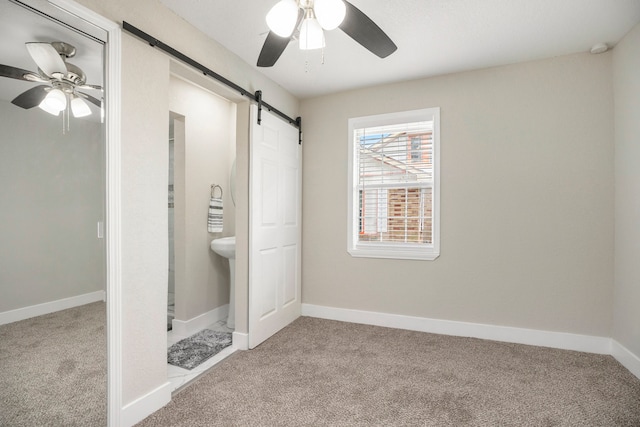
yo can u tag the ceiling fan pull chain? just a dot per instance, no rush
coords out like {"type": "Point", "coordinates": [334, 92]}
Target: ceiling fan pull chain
{"type": "Point", "coordinates": [306, 61]}
{"type": "Point", "coordinates": [65, 119]}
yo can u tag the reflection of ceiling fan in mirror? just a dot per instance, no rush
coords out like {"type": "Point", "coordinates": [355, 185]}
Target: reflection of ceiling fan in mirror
{"type": "Point", "coordinates": [63, 81]}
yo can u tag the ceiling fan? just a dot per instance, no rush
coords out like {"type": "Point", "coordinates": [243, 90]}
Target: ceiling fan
{"type": "Point", "coordinates": [306, 20]}
{"type": "Point", "coordinates": [63, 79]}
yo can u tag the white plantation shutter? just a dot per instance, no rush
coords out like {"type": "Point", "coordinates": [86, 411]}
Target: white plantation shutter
{"type": "Point", "coordinates": [393, 165]}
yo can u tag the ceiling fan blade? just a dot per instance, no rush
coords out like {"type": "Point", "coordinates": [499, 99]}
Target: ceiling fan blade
{"type": "Point", "coordinates": [20, 74]}
{"type": "Point", "coordinates": [273, 47]}
{"type": "Point", "coordinates": [362, 29]}
{"type": "Point", "coordinates": [47, 58]}
{"type": "Point", "coordinates": [31, 98]}
{"type": "Point", "coordinates": [91, 99]}
{"type": "Point", "coordinates": [87, 86]}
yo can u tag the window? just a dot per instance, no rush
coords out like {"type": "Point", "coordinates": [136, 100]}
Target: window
{"type": "Point", "coordinates": [394, 185]}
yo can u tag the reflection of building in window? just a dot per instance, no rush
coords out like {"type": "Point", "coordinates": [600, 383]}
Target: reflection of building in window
{"type": "Point", "coordinates": [416, 145]}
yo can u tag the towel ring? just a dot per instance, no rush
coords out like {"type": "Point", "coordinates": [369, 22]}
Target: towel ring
{"type": "Point", "coordinates": [213, 189]}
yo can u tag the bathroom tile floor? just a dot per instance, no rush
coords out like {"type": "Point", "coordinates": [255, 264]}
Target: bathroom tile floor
{"type": "Point", "coordinates": [178, 377]}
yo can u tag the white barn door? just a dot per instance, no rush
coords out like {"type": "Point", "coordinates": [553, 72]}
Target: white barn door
{"type": "Point", "coordinates": [274, 226]}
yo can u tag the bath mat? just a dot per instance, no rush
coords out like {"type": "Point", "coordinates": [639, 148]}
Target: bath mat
{"type": "Point", "coordinates": [191, 352]}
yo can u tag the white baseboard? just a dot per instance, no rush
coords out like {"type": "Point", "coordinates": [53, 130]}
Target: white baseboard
{"type": "Point", "coordinates": [566, 341]}
{"type": "Point", "coordinates": [240, 341]}
{"type": "Point", "coordinates": [189, 327]}
{"type": "Point", "coordinates": [50, 307]}
{"type": "Point", "coordinates": [626, 357]}
{"type": "Point", "coordinates": [136, 411]}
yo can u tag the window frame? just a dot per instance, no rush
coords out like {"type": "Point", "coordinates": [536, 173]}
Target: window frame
{"type": "Point", "coordinates": [392, 250]}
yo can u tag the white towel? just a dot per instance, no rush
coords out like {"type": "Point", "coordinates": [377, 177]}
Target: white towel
{"type": "Point", "coordinates": [214, 221]}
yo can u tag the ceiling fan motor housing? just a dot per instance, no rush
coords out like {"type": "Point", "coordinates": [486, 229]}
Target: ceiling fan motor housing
{"type": "Point", "coordinates": [75, 75]}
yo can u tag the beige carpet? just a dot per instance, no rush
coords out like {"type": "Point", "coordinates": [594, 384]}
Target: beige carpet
{"type": "Point", "coordinates": [53, 369]}
{"type": "Point", "coordinates": [325, 373]}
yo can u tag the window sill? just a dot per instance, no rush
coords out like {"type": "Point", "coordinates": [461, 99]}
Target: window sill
{"type": "Point", "coordinates": [420, 255]}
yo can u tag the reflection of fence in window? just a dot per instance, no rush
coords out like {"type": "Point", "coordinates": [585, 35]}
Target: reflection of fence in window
{"type": "Point", "coordinates": [373, 211]}
{"type": "Point", "coordinates": [397, 215]}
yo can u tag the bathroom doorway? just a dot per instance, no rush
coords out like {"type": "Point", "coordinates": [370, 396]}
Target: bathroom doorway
{"type": "Point", "coordinates": [201, 153]}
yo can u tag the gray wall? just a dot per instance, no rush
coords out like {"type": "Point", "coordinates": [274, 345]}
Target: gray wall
{"type": "Point", "coordinates": [52, 198]}
{"type": "Point", "coordinates": [626, 66]}
{"type": "Point", "coordinates": [202, 160]}
{"type": "Point", "coordinates": [526, 199]}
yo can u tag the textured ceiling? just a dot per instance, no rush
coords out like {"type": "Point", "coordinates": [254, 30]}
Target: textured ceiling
{"type": "Point", "coordinates": [433, 37]}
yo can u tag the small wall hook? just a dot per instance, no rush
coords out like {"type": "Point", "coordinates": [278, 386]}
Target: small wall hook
{"type": "Point", "coordinates": [213, 189]}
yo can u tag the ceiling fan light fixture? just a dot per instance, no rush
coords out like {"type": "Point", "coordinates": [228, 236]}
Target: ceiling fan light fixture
{"type": "Point", "coordinates": [43, 106]}
{"type": "Point", "coordinates": [79, 107]}
{"type": "Point", "coordinates": [311, 23]}
{"type": "Point", "coordinates": [282, 17]}
{"type": "Point", "coordinates": [311, 35]}
{"type": "Point", "coordinates": [54, 102]}
{"type": "Point", "coordinates": [330, 13]}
